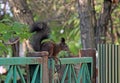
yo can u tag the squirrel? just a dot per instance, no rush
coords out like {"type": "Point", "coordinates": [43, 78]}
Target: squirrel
{"type": "Point", "coordinates": [41, 32]}
{"type": "Point", "coordinates": [113, 1]}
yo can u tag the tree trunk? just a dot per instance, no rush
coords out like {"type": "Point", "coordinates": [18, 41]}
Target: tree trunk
{"type": "Point", "coordinates": [103, 21]}
{"type": "Point", "coordinates": [21, 11]}
{"type": "Point", "coordinates": [87, 23]}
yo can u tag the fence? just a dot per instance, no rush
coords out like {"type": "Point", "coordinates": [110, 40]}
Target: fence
{"type": "Point", "coordinates": [15, 70]}
{"type": "Point", "coordinates": [109, 59]}
{"type": "Point", "coordinates": [84, 74]}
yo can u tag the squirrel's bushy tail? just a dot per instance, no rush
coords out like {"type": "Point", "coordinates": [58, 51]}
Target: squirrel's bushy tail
{"type": "Point", "coordinates": [40, 32]}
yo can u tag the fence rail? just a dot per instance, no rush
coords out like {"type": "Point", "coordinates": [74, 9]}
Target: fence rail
{"type": "Point", "coordinates": [109, 60]}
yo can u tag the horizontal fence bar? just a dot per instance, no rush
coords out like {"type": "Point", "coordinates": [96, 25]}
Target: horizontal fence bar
{"type": "Point", "coordinates": [38, 60]}
{"type": "Point", "coordinates": [20, 60]}
{"type": "Point", "coordinates": [76, 60]}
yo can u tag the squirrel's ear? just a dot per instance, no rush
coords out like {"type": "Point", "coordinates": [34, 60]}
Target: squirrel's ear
{"type": "Point", "coordinates": [62, 40]}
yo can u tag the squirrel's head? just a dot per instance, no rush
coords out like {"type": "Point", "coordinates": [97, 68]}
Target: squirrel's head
{"type": "Point", "coordinates": [63, 45]}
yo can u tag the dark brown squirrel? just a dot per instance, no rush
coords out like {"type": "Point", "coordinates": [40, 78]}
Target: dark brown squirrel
{"type": "Point", "coordinates": [113, 1]}
{"type": "Point", "coordinates": [42, 32]}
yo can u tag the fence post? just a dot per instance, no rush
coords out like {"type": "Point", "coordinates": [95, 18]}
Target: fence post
{"type": "Point", "coordinates": [45, 77]}
{"type": "Point", "coordinates": [90, 53]}
{"type": "Point", "coordinates": [45, 73]}
{"type": "Point", "coordinates": [51, 70]}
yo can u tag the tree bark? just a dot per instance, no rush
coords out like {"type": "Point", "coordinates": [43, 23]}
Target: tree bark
{"type": "Point", "coordinates": [87, 23]}
{"type": "Point", "coordinates": [21, 11]}
{"type": "Point", "coordinates": [103, 21]}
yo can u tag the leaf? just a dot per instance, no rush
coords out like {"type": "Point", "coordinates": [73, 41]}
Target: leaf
{"type": "Point", "coordinates": [6, 20]}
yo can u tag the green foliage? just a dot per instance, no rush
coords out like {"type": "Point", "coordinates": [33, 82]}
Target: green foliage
{"type": "Point", "coordinates": [74, 34]}
{"type": "Point", "coordinates": [70, 30]}
{"type": "Point", "coordinates": [63, 54]}
{"type": "Point", "coordinates": [63, 20]}
{"type": "Point", "coordinates": [2, 77]}
{"type": "Point", "coordinates": [8, 30]}
{"type": "Point", "coordinates": [13, 29]}
{"type": "Point", "coordinates": [116, 24]}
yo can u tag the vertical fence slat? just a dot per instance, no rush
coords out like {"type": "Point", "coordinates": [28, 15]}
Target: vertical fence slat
{"type": "Point", "coordinates": [110, 67]}
{"type": "Point", "coordinates": [99, 60]}
{"type": "Point", "coordinates": [83, 75]}
{"type": "Point", "coordinates": [41, 73]}
{"type": "Point", "coordinates": [35, 74]}
{"type": "Point", "coordinates": [116, 64]}
{"type": "Point", "coordinates": [14, 74]}
{"type": "Point", "coordinates": [113, 55]}
{"type": "Point", "coordinates": [64, 75]}
{"type": "Point", "coordinates": [69, 74]}
{"type": "Point", "coordinates": [119, 65]}
{"type": "Point", "coordinates": [20, 74]}
{"type": "Point", "coordinates": [9, 75]}
{"type": "Point", "coordinates": [101, 66]}
{"type": "Point", "coordinates": [74, 75]}
{"type": "Point", "coordinates": [104, 63]}
{"type": "Point", "coordinates": [107, 61]}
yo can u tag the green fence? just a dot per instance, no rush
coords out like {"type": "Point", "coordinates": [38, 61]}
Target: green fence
{"type": "Point", "coordinates": [109, 60]}
{"type": "Point", "coordinates": [14, 69]}
{"type": "Point", "coordinates": [84, 74]}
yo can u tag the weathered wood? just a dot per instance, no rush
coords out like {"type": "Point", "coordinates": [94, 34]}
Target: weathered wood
{"type": "Point", "coordinates": [37, 54]}
{"type": "Point", "coordinates": [45, 73]}
{"type": "Point", "coordinates": [90, 53]}
{"type": "Point", "coordinates": [44, 62]}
